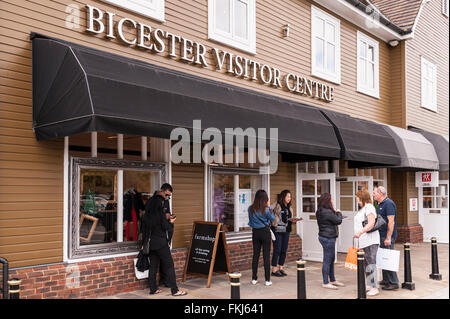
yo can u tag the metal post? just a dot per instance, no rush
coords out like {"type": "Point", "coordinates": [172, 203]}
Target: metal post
{"type": "Point", "coordinates": [434, 261]}
{"type": "Point", "coordinates": [14, 288]}
{"type": "Point", "coordinates": [5, 274]}
{"type": "Point", "coordinates": [235, 285]}
{"type": "Point", "coordinates": [361, 276]}
{"type": "Point", "coordinates": [301, 282]}
{"type": "Point", "coordinates": [408, 284]}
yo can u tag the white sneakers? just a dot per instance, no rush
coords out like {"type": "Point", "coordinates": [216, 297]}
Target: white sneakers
{"type": "Point", "coordinates": [268, 283]}
{"type": "Point", "coordinates": [338, 284]}
{"type": "Point", "coordinates": [373, 292]}
{"type": "Point", "coordinates": [329, 286]}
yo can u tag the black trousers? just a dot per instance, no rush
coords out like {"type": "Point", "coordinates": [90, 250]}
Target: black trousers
{"type": "Point", "coordinates": [261, 238]}
{"type": "Point", "coordinates": [164, 257]}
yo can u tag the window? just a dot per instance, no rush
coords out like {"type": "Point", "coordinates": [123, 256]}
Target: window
{"type": "Point", "coordinates": [435, 197]}
{"type": "Point", "coordinates": [445, 8]}
{"type": "Point", "coordinates": [317, 167]}
{"type": "Point", "coordinates": [110, 174]}
{"type": "Point", "coordinates": [326, 47]}
{"type": "Point", "coordinates": [97, 185]}
{"type": "Point", "coordinates": [429, 85]}
{"type": "Point", "coordinates": [232, 22]}
{"type": "Point", "coordinates": [150, 8]}
{"type": "Point", "coordinates": [231, 192]}
{"type": "Point", "coordinates": [368, 74]}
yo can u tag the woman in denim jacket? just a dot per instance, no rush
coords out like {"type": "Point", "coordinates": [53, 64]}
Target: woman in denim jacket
{"type": "Point", "coordinates": [260, 219]}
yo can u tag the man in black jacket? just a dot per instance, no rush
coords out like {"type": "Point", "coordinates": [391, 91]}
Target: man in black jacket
{"type": "Point", "coordinates": [156, 225]}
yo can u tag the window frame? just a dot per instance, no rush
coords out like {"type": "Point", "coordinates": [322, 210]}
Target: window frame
{"type": "Point", "coordinates": [156, 12]}
{"type": "Point", "coordinates": [315, 71]}
{"type": "Point", "coordinates": [230, 39]}
{"type": "Point", "coordinates": [428, 102]}
{"type": "Point", "coordinates": [445, 7]}
{"type": "Point", "coordinates": [363, 87]}
{"type": "Point", "coordinates": [234, 235]}
{"type": "Point", "coordinates": [76, 251]}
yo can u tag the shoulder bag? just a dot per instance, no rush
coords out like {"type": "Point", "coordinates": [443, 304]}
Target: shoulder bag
{"type": "Point", "coordinates": [379, 222]}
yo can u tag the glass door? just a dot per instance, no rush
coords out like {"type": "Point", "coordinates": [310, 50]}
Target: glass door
{"type": "Point", "coordinates": [309, 189]}
{"type": "Point", "coordinates": [347, 187]}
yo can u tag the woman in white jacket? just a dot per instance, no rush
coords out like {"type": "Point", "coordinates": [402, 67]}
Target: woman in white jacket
{"type": "Point", "coordinates": [368, 241]}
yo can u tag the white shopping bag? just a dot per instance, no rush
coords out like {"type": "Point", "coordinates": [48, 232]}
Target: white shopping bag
{"type": "Point", "coordinates": [139, 274]}
{"type": "Point", "coordinates": [388, 259]}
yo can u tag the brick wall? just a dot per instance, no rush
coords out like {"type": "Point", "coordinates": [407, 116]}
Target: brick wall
{"type": "Point", "coordinates": [240, 254]}
{"type": "Point", "coordinates": [409, 233]}
{"type": "Point", "coordinates": [110, 276]}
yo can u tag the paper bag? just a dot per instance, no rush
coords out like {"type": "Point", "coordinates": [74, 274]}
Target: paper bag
{"type": "Point", "coordinates": [388, 259]}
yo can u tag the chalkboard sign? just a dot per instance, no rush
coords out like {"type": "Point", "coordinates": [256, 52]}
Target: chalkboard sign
{"type": "Point", "coordinates": [208, 251]}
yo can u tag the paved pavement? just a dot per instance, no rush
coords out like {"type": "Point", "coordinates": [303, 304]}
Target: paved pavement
{"type": "Point", "coordinates": [286, 287]}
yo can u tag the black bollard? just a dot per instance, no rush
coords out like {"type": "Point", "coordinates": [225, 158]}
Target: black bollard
{"type": "Point", "coordinates": [301, 280]}
{"type": "Point", "coordinates": [5, 274]}
{"type": "Point", "coordinates": [14, 288]}
{"type": "Point", "coordinates": [235, 285]}
{"type": "Point", "coordinates": [408, 284]}
{"type": "Point", "coordinates": [434, 261]}
{"type": "Point", "coordinates": [361, 276]}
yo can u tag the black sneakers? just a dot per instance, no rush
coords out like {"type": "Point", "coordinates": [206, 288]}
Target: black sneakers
{"type": "Point", "coordinates": [277, 274]}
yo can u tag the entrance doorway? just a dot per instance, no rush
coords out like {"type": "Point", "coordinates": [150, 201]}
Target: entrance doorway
{"type": "Point", "coordinates": [309, 189]}
{"type": "Point", "coordinates": [347, 187]}
{"type": "Point", "coordinates": [433, 212]}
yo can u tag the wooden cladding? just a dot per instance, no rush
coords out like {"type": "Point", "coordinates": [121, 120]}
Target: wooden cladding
{"type": "Point", "coordinates": [431, 41]}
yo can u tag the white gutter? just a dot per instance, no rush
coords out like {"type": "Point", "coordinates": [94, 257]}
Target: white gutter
{"type": "Point", "coordinates": [364, 21]}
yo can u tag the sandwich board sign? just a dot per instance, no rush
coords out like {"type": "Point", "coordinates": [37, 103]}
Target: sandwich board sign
{"type": "Point", "coordinates": [208, 251]}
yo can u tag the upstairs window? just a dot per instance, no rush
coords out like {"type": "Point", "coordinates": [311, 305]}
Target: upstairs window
{"type": "Point", "coordinates": [326, 46]}
{"type": "Point", "coordinates": [429, 85]}
{"type": "Point", "coordinates": [232, 22]}
{"type": "Point", "coordinates": [368, 66]}
{"type": "Point", "coordinates": [150, 8]}
{"type": "Point", "coordinates": [445, 8]}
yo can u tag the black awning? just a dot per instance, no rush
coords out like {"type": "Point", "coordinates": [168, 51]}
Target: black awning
{"type": "Point", "coordinates": [78, 90]}
{"type": "Point", "coordinates": [364, 143]}
{"type": "Point", "coordinates": [440, 143]}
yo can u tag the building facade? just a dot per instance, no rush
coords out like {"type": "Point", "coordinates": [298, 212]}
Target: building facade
{"type": "Point", "coordinates": [90, 92]}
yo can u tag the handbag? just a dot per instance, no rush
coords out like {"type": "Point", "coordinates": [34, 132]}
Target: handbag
{"type": "Point", "coordinates": [141, 266]}
{"type": "Point", "coordinates": [272, 235]}
{"type": "Point", "coordinates": [379, 222]}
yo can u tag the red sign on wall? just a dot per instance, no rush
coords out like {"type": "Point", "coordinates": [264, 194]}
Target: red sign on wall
{"type": "Point", "coordinates": [426, 177]}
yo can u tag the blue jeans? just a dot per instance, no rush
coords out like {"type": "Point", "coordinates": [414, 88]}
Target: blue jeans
{"type": "Point", "coordinates": [280, 247]}
{"type": "Point", "coordinates": [329, 247]}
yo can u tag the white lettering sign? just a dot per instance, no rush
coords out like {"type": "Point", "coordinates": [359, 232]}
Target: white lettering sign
{"type": "Point", "coordinates": [142, 36]}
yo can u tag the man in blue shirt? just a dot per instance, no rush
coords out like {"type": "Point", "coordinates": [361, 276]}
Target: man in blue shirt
{"type": "Point", "coordinates": [388, 234]}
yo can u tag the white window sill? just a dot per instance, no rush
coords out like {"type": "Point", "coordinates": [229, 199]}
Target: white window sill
{"type": "Point", "coordinates": [243, 236]}
{"type": "Point", "coordinates": [374, 94]}
{"type": "Point", "coordinates": [233, 43]}
{"type": "Point", "coordinates": [327, 77]}
{"type": "Point", "coordinates": [429, 109]}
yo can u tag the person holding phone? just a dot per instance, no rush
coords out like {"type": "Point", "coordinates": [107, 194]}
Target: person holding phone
{"type": "Point", "coordinates": [328, 220]}
{"type": "Point", "coordinates": [282, 227]}
{"type": "Point", "coordinates": [155, 224]}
